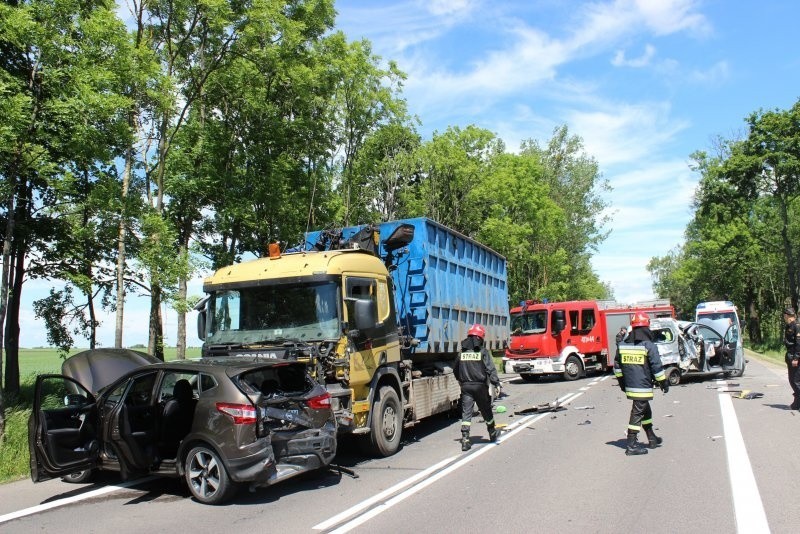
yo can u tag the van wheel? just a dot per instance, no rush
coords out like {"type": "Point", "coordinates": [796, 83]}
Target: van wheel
{"type": "Point", "coordinates": [386, 426]}
{"type": "Point", "coordinates": [674, 376]}
{"type": "Point", "coordinates": [736, 374]}
{"type": "Point", "coordinates": [207, 478]}
{"type": "Point", "coordinates": [572, 368]}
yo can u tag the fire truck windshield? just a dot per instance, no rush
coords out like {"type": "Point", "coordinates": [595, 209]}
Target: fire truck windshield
{"type": "Point", "coordinates": [532, 322]}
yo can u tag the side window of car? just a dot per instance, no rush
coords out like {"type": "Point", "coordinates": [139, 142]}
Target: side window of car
{"type": "Point", "coordinates": [207, 382]}
{"type": "Point", "coordinates": [140, 392]}
{"type": "Point", "coordinates": [168, 384]}
{"type": "Point", "coordinates": [116, 394]}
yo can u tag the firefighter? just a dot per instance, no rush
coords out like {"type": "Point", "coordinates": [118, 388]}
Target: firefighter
{"type": "Point", "coordinates": [474, 370]}
{"type": "Point", "coordinates": [636, 365]}
{"type": "Point", "coordinates": [791, 339]}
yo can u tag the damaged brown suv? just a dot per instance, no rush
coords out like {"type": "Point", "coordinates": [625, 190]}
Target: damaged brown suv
{"type": "Point", "coordinates": [220, 423]}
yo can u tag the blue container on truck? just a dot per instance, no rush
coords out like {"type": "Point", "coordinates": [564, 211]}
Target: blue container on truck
{"type": "Point", "coordinates": [444, 283]}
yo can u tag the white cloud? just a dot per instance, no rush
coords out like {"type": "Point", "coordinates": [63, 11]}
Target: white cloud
{"type": "Point", "coordinates": [616, 133]}
{"type": "Point", "coordinates": [448, 8]}
{"type": "Point", "coordinates": [718, 73]}
{"type": "Point", "coordinates": [644, 60]}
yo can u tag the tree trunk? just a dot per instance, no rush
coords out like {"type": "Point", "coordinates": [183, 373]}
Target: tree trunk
{"type": "Point", "coordinates": [121, 233]}
{"type": "Point", "coordinates": [181, 341]}
{"type": "Point", "coordinates": [12, 324]}
{"type": "Point", "coordinates": [753, 317]}
{"type": "Point", "coordinates": [155, 345]}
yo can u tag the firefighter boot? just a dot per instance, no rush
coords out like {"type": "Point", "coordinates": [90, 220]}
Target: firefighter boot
{"type": "Point", "coordinates": [466, 444]}
{"type": "Point", "coordinates": [633, 448]}
{"type": "Point", "coordinates": [653, 440]}
{"type": "Point", "coordinates": [493, 432]}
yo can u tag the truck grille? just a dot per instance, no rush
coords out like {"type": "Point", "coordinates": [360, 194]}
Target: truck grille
{"type": "Point", "coordinates": [522, 352]}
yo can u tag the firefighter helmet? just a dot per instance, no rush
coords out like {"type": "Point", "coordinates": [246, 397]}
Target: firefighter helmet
{"type": "Point", "coordinates": [640, 319]}
{"type": "Point", "coordinates": [477, 330]}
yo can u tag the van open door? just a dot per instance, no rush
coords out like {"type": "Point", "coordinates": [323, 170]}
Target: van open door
{"type": "Point", "coordinates": [732, 359]}
{"type": "Point", "coordinates": [62, 429]}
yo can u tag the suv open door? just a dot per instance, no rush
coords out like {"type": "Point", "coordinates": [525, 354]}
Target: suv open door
{"type": "Point", "coordinates": [62, 429]}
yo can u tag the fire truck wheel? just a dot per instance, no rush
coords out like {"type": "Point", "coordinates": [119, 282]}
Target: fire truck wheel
{"type": "Point", "coordinates": [674, 376]}
{"type": "Point", "coordinates": [386, 426]}
{"type": "Point", "coordinates": [572, 368]}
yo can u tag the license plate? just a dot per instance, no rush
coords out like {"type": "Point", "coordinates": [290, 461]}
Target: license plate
{"type": "Point", "coordinates": [542, 363]}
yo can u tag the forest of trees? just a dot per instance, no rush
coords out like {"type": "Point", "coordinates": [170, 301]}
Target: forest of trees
{"type": "Point", "coordinates": [143, 144]}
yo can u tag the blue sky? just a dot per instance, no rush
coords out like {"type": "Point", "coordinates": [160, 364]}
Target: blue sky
{"type": "Point", "coordinates": [644, 83]}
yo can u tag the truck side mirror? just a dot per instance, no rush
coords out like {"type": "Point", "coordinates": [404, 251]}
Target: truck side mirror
{"type": "Point", "coordinates": [200, 308]}
{"type": "Point", "coordinates": [559, 321]}
{"type": "Point", "coordinates": [365, 314]}
{"type": "Point", "coordinates": [201, 324]}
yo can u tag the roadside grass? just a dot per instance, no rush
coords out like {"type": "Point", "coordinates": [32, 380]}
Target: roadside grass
{"type": "Point", "coordinates": [14, 456]}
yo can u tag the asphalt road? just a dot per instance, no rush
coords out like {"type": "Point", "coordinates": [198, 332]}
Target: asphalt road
{"type": "Point", "coordinates": [727, 465]}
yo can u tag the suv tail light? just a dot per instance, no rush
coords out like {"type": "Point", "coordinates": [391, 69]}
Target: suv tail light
{"type": "Point", "coordinates": [320, 401]}
{"type": "Point", "coordinates": [242, 414]}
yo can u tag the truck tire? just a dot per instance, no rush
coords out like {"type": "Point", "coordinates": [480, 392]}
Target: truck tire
{"type": "Point", "coordinates": [674, 376]}
{"type": "Point", "coordinates": [386, 426]}
{"type": "Point", "coordinates": [572, 368]}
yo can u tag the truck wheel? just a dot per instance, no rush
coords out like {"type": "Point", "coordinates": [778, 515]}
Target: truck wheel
{"type": "Point", "coordinates": [572, 368]}
{"type": "Point", "coordinates": [206, 476]}
{"type": "Point", "coordinates": [386, 426]}
{"type": "Point", "coordinates": [674, 376]}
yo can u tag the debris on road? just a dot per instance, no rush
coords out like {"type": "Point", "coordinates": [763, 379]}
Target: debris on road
{"type": "Point", "coordinates": [587, 422]}
{"type": "Point", "coordinates": [714, 438]}
{"type": "Point", "coordinates": [554, 406]}
{"type": "Point", "coordinates": [747, 394]}
{"type": "Point", "coordinates": [583, 408]}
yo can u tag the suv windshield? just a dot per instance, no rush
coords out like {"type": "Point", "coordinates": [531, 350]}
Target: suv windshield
{"type": "Point", "coordinates": [274, 313]}
{"type": "Point", "coordinates": [529, 323]}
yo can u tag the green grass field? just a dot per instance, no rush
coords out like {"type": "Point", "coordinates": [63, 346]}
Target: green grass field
{"type": "Point", "coordinates": [14, 460]}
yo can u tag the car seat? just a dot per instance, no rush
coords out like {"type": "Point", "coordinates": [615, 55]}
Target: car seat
{"type": "Point", "coordinates": [176, 419]}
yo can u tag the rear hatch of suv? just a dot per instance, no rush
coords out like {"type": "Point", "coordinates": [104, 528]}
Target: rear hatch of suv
{"type": "Point", "coordinates": [296, 412]}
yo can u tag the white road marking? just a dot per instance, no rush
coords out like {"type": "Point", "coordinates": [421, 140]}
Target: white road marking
{"type": "Point", "coordinates": [747, 505]}
{"type": "Point", "coordinates": [74, 498]}
{"type": "Point", "coordinates": [429, 476]}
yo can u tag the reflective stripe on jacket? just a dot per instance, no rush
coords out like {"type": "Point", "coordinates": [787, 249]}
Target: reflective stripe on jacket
{"type": "Point", "coordinates": [638, 365]}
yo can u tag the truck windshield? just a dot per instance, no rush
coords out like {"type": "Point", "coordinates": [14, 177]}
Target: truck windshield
{"type": "Point", "coordinates": [534, 322]}
{"type": "Point", "coordinates": [274, 313]}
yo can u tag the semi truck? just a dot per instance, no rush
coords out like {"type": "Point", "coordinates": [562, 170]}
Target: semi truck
{"type": "Point", "coordinates": [570, 338]}
{"type": "Point", "coordinates": [377, 312]}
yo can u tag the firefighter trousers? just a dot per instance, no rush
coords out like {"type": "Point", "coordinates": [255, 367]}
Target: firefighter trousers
{"type": "Point", "coordinates": [641, 415]}
{"type": "Point", "coordinates": [473, 393]}
{"type": "Point", "coordinates": [794, 381]}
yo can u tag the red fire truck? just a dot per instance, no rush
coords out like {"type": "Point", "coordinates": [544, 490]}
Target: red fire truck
{"type": "Point", "coordinates": [570, 338]}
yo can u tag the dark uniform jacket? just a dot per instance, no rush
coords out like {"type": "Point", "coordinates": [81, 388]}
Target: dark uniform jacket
{"type": "Point", "coordinates": [637, 364]}
{"type": "Point", "coordinates": [474, 364]}
{"type": "Point", "coordinates": [791, 340]}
